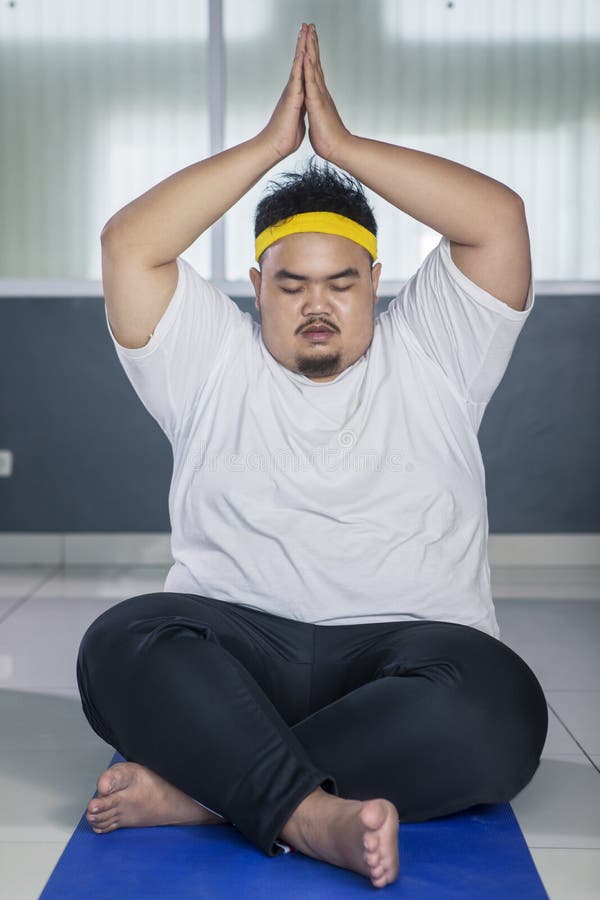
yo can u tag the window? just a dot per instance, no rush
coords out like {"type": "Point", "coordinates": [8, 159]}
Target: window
{"type": "Point", "coordinates": [101, 100]}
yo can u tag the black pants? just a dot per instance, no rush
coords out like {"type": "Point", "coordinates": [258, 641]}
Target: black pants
{"type": "Point", "coordinates": [248, 712]}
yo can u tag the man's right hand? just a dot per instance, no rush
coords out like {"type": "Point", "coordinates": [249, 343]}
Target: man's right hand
{"type": "Point", "coordinates": [191, 200]}
{"type": "Point", "coordinates": [286, 128]}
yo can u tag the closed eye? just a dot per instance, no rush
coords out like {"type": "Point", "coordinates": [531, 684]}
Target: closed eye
{"type": "Point", "coordinates": [333, 288]}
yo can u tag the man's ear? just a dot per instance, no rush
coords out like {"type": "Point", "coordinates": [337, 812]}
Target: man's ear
{"type": "Point", "coordinates": [375, 273]}
{"type": "Point", "coordinates": [255, 278]}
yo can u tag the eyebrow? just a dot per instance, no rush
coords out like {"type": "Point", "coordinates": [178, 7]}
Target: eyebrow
{"type": "Point", "coordinates": [284, 274]}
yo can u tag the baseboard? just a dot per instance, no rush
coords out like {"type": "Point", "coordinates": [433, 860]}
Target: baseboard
{"type": "Point", "coordinates": [88, 549]}
{"type": "Point", "coordinates": [548, 566]}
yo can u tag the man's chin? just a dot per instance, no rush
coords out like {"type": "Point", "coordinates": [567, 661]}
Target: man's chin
{"type": "Point", "coordinates": [319, 366]}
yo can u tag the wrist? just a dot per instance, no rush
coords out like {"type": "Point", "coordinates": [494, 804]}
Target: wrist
{"type": "Point", "coordinates": [341, 153]}
{"type": "Point", "coordinates": [268, 147]}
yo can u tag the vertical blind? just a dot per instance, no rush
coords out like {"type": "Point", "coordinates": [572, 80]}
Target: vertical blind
{"type": "Point", "coordinates": [101, 100]}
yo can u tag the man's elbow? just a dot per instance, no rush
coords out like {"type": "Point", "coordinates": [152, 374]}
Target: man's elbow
{"type": "Point", "coordinates": [518, 202]}
{"type": "Point", "coordinates": [107, 231]}
{"type": "Point", "coordinates": [514, 213]}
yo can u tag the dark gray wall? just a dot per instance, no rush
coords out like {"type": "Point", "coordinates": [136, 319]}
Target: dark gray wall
{"type": "Point", "coordinates": [88, 457]}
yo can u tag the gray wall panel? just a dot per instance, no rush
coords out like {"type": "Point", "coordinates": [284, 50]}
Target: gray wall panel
{"type": "Point", "coordinates": [89, 458]}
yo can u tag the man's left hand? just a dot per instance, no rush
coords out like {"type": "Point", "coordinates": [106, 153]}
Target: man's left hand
{"type": "Point", "coordinates": [325, 127]}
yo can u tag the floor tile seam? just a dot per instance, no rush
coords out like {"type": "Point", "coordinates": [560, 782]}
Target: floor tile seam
{"type": "Point", "coordinates": [51, 834]}
{"type": "Point", "coordinates": [559, 756]}
{"type": "Point", "coordinates": [568, 730]}
{"type": "Point", "coordinates": [34, 842]}
{"type": "Point", "coordinates": [55, 570]}
{"type": "Point", "coordinates": [49, 575]}
{"type": "Point", "coordinates": [594, 849]}
{"type": "Point", "coordinates": [571, 849]}
{"type": "Point", "coordinates": [50, 689]}
{"type": "Point", "coordinates": [573, 690]}
{"type": "Point", "coordinates": [11, 609]}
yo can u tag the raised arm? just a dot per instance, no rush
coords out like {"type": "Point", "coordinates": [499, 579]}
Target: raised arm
{"type": "Point", "coordinates": [141, 242]}
{"type": "Point", "coordinates": [168, 218]}
{"type": "Point", "coordinates": [483, 218]}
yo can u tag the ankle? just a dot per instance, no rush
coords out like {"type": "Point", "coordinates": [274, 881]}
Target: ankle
{"type": "Point", "coordinates": [311, 807]}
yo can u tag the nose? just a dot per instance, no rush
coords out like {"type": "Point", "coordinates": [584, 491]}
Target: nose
{"type": "Point", "coordinates": [316, 301]}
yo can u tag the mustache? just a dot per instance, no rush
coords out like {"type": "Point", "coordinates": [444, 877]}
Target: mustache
{"type": "Point", "coordinates": [317, 324]}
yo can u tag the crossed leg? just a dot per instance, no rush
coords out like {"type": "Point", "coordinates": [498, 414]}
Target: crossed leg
{"type": "Point", "coordinates": [438, 725]}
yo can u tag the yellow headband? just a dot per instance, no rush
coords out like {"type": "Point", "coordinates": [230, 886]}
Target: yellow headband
{"type": "Point", "coordinates": [323, 222]}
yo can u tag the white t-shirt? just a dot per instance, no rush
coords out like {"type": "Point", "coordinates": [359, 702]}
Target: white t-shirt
{"type": "Point", "coordinates": [357, 500]}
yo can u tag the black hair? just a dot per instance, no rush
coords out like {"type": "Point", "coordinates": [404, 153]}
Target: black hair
{"type": "Point", "coordinates": [319, 188]}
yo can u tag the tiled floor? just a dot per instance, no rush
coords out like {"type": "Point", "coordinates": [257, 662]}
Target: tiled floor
{"type": "Point", "coordinates": [50, 758]}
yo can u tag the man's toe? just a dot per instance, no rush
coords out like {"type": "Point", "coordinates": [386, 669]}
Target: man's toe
{"type": "Point", "coordinates": [107, 823]}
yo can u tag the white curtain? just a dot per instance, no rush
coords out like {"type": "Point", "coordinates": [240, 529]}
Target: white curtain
{"type": "Point", "coordinates": [507, 87]}
{"type": "Point", "coordinates": [100, 100]}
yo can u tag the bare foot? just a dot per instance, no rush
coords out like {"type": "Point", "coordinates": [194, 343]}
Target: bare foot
{"type": "Point", "coordinates": [361, 835]}
{"type": "Point", "coordinates": [132, 796]}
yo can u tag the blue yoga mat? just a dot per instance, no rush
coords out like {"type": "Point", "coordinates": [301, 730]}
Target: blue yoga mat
{"type": "Point", "coordinates": [476, 854]}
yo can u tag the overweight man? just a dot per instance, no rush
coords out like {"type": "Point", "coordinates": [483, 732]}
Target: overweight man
{"type": "Point", "coordinates": [324, 662]}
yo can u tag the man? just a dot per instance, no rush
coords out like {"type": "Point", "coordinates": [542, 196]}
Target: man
{"type": "Point", "coordinates": [324, 661]}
